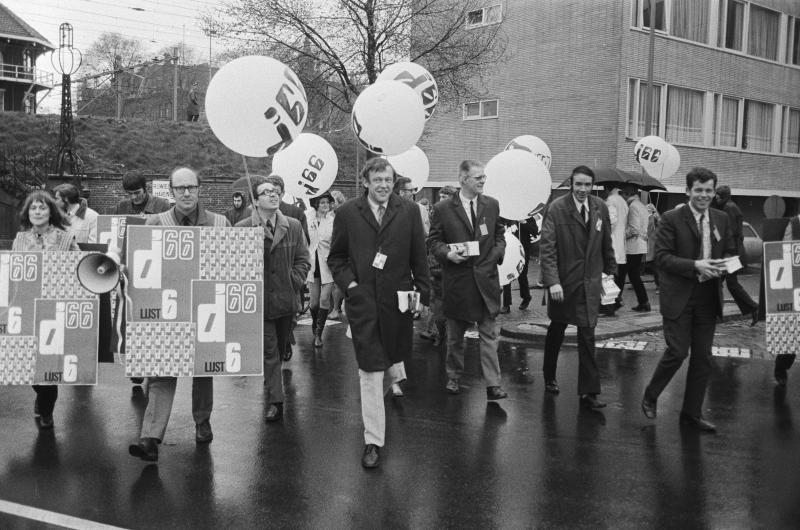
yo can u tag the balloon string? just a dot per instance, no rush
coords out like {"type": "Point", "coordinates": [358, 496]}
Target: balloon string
{"type": "Point", "coordinates": [261, 219]}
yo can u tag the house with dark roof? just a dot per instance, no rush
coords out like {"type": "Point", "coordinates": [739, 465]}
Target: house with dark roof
{"type": "Point", "coordinates": [20, 80]}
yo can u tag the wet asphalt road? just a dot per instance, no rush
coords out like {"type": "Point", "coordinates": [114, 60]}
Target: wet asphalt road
{"type": "Point", "coordinates": [530, 461]}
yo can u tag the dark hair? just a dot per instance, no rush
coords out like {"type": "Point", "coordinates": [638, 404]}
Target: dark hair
{"type": "Point", "coordinates": [583, 170]}
{"type": "Point", "coordinates": [133, 182]}
{"type": "Point", "coordinates": [700, 174]}
{"type": "Point", "coordinates": [68, 192]}
{"type": "Point", "coordinates": [316, 200]}
{"type": "Point", "coordinates": [258, 180]}
{"type": "Point", "coordinates": [399, 183]}
{"type": "Point", "coordinates": [238, 194]}
{"type": "Point", "coordinates": [56, 219]}
{"type": "Point", "coordinates": [724, 192]}
{"type": "Point", "coordinates": [196, 175]}
{"type": "Point", "coordinates": [374, 165]}
{"type": "Point", "coordinates": [448, 190]}
{"type": "Point", "coordinates": [466, 165]}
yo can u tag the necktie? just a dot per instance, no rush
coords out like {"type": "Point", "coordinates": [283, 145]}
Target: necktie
{"type": "Point", "coordinates": [270, 227]}
{"type": "Point", "coordinates": [186, 221]}
{"type": "Point", "coordinates": [472, 214]}
{"type": "Point", "coordinates": [584, 216]}
{"type": "Point", "coordinates": [702, 227]}
{"type": "Point", "coordinates": [381, 211]}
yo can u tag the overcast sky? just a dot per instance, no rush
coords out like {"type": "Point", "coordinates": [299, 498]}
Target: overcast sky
{"type": "Point", "coordinates": [156, 23]}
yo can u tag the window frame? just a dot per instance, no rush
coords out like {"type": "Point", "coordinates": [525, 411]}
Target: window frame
{"type": "Point", "coordinates": [785, 122]}
{"type": "Point", "coordinates": [484, 16]}
{"type": "Point", "coordinates": [481, 105]}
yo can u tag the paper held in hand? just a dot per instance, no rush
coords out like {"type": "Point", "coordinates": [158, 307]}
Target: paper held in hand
{"type": "Point", "coordinates": [610, 291]}
{"type": "Point", "coordinates": [732, 264]}
{"type": "Point", "coordinates": [408, 301]}
{"type": "Point", "coordinates": [467, 248]}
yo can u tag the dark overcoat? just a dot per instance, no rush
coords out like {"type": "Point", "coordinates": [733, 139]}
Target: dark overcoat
{"type": "Point", "coordinates": [575, 255]}
{"type": "Point", "coordinates": [678, 245]}
{"type": "Point", "coordinates": [468, 285]}
{"type": "Point", "coordinates": [382, 335]}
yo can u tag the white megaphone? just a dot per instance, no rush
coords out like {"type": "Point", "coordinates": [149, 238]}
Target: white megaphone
{"type": "Point", "coordinates": [99, 273]}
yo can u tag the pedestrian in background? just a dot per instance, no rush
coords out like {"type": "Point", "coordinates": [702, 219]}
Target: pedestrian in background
{"type": "Point", "coordinates": [239, 209]}
{"type": "Point", "coordinates": [744, 302]}
{"type": "Point", "coordinates": [635, 247]}
{"type": "Point", "coordinates": [43, 227]}
{"type": "Point", "coordinates": [320, 279]}
{"type": "Point", "coordinates": [785, 361]}
{"type": "Point", "coordinates": [652, 225]}
{"type": "Point", "coordinates": [378, 250]}
{"type": "Point", "coordinates": [139, 201]}
{"type": "Point", "coordinates": [618, 215]}
{"type": "Point", "coordinates": [82, 219]}
{"type": "Point", "coordinates": [575, 253]}
{"type": "Point", "coordinates": [689, 244]}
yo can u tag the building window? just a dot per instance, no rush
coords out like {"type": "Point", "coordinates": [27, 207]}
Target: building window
{"type": "Point", "coordinates": [684, 122]}
{"type": "Point", "coordinates": [731, 24]}
{"type": "Point", "coordinates": [793, 41]}
{"type": "Point", "coordinates": [2, 100]}
{"type": "Point", "coordinates": [762, 34]}
{"type": "Point", "coordinates": [726, 121]}
{"type": "Point", "coordinates": [484, 16]}
{"type": "Point", "coordinates": [637, 109]}
{"type": "Point", "coordinates": [757, 129]}
{"type": "Point", "coordinates": [480, 110]}
{"type": "Point", "coordinates": [792, 139]}
{"type": "Point", "coordinates": [689, 20]}
{"type": "Point", "coordinates": [641, 14]}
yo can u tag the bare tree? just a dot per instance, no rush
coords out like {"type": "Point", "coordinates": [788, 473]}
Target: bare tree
{"type": "Point", "coordinates": [112, 51]}
{"type": "Point", "coordinates": [338, 48]}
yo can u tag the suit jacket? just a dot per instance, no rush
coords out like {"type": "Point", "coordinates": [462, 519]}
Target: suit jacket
{"type": "Point", "coordinates": [154, 205]}
{"type": "Point", "coordinates": [382, 335]}
{"type": "Point", "coordinates": [678, 245]}
{"type": "Point", "coordinates": [468, 285]}
{"type": "Point", "coordinates": [575, 256]}
{"type": "Point", "coordinates": [286, 264]}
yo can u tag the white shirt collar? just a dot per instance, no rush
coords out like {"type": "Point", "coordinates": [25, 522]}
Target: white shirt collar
{"type": "Point", "coordinates": [696, 213]}
{"type": "Point", "coordinates": [578, 204]}
{"type": "Point", "coordinates": [374, 205]}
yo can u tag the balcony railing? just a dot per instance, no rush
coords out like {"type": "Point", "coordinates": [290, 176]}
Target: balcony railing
{"type": "Point", "coordinates": [21, 73]}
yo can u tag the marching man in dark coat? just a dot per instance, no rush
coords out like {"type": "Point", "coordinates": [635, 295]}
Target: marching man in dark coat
{"type": "Point", "coordinates": [471, 286]}
{"type": "Point", "coordinates": [575, 251]}
{"type": "Point", "coordinates": [378, 249]}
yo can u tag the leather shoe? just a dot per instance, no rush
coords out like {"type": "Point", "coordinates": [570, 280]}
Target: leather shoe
{"type": "Point", "coordinates": [697, 422]}
{"type": "Point", "coordinates": [146, 449]}
{"type": "Point", "coordinates": [649, 407]}
{"type": "Point", "coordinates": [495, 392]}
{"type": "Point", "coordinates": [525, 303]}
{"type": "Point", "coordinates": [371, 457]}
{"type": "Point", "coordinates": [137, 380]}
{"type": "Point", "coordinates": [505, 310]}
{"type": "Point", "coordinates": [590, 401]}
{"type": "Point", "coordinates": [453, 386]}
{"type": "Point", "coordinates": [551, 387]}
{"type": "Point", "coordinates": [274, 412]}
{"type": "Point", "coordinates": [754, 318]}
{"type": "Point", "coordinates": [317, 341]}
{"type": "Point", "coordinates": [287, 355]}
{"type": "Point", "coordinates": [641, 308]}
{"type": "Point", "coordinates": [202, 432]}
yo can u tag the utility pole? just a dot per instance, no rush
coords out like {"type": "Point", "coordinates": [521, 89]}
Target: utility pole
{"type": "Point", "coordinates": [175, 85]}
{"type": "Point", "coordinates": [648, 112]}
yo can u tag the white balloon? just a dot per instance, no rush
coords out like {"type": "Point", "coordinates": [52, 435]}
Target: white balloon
{"type": "Point", "coordinates": [308, 166]}
{"type": "Point", "coordinates": [513, 260]}
{"type": "Point", "coordinates": [256, 105]}
{"type": "Point", "coordinates": [519, 181]}
{"type": "Point", "coordinates": [412, 164]}
{"type": "Point", "coordinates": [671, 163]}
{"type": "Point", "coordinates": [535, 145]}
{"type": "Point", "coordinates": [417, 78]}
{"type": "Point", "coordinates": [651, 152]}
{"type": "Point", "coordinates": [388, 117]}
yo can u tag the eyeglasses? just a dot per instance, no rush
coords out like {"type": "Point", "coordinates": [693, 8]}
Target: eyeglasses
{"type": "Point", "coordinates": [183, 189]}
{"type": "Point", "coordinates": [273, 192]}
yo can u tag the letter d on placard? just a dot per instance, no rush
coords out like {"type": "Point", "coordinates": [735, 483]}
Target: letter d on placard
{"type": "Point", "coordinates": [211, 317]}
{"type": "Point", "coordinates": [51, 333]}
{"type": "Point", "coordinates": [147, 264]}
{"type": "Point", "coordinates": [780, 270]}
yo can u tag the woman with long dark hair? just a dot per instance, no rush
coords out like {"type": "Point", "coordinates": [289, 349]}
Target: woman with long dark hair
{"type": "Point", "coordinates": [43, 227]}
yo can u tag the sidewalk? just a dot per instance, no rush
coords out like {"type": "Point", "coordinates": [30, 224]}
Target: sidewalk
{"type": "Point", "coordinates": [531, 324]}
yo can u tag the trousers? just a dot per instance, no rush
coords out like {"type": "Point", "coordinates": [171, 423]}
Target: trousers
{"type": "Point", "coordinates": [373, 412]}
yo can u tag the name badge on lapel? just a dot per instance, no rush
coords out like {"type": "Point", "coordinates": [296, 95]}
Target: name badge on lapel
{"type": "Point", "coordinates": [716, 234]}
{"type": "Point", "coordinates": [598, 225]}
{"type": "Point", "coordinates": [483, 229]}
{"type": "Point", "coordinates": [380, 260]}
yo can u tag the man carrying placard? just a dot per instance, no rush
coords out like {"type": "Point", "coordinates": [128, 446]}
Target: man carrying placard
{"type": "Point", "coordinates": [185, 186]}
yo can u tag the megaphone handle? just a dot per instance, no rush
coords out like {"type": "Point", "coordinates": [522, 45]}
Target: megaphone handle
{"type": "Point", "coordinates": [125, 302]}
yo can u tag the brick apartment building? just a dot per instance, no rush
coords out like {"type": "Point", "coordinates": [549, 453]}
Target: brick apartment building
{"type": "Point", "coordinates": [727, 91]}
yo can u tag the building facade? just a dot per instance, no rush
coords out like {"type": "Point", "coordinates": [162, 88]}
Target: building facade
{"type": "Point", "coordinates": [726, 91]}
{"type": "Point", "coordinates": [20, 80]}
